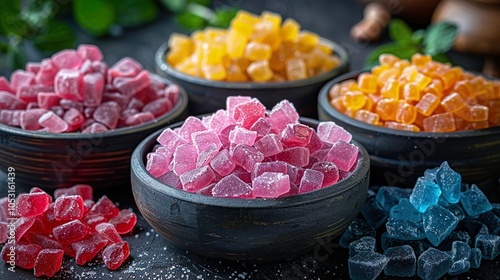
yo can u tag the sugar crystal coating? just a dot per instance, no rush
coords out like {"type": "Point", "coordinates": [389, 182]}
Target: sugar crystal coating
{"type": "Point", "coordinates": [449, 181]}
{"type": "Point", "coordinates": [404, 210]}
{"type": "Point", "coordinates": [33, 204]}
{"type": "Point", "coordinates": [433, 264]}
{"type": "Point", "coordinates": [231, 186]}
{"type": "Point", "coordinates": [489, 244]}
{"type": "Point", "coordinates": [405, 229]}
{"type": "Point", "coordinates": [115, 254]}
{"type": "Point", "coordinates": [438, 223]}
{"type": "Point", "coordinates": [474, 201]}
{"type": "Point", "coordinates": [402, 261]}
{"type": "Point", "coordinates": [365, 243]}
{"type": "Point", "coordinates": [425, 194]}
{"type": "Point", "coordinates": [69, 207]}
{"type": "Point", "coordinates": [366, 265]}
{"type": "Point", "coordinates": [270, 184]}
{"type": "Point", "coordinates": [48, 262]}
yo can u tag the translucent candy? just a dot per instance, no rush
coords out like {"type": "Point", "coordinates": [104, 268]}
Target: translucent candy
{"type": "Point", "coordinates": [270, 185]}
{"type": "Point", "coordinates": [222, 163]}
{"type": "Point", "coordinates": [411, 92]}
{"type": "Point", "coordinates": [492, 221]}
{"type": "Point", "coordinates": [108, 231]}
{"type": "Point", "coordinates": [90, 52]}
{"type": "Point", "coordinates": [295, 69]}
{"type": "Point", "coordinates": [357, 229]}
{"type": "Point", "coordinates": [440, 123]}
{"type": "Point", "coordinates": [367, 117]}
{"type": "Point", "coordinates": [203, 139]}
{"type": "Point", "coordinates": [366, 243]}
{"type": "Point", "coordinates": [311, 180]}
{"type": "Point", "coordinates": [185, 158]}
{"type": "Point", "coordinates": [247, 113]}
{"type": "Point", "coordinates": [367, 83]}
{"type": "Point", "coordinates": [198, 178]}
{"type": "Point", "coordinates": [475, 258]}
{"type": "Point", "coordinates": [386, 242]}
{"type": "Point", "coordinates": [44, 241]}
{"type": "Point", "coordinates": [387, 109]}
{"type": "Point", "coordinates": [85, 250]}
{"type": "Point", "coordinates": [474, 201]}
{"type": "Point", "coordinates": [273, 166]}
{"type": "Point", "coordinates": [405, 229]}
{"type": "Point", "coordinates": [269, 145]}
{"type": "Point", "coordinates": [33, 204]}
{"type": "Point", "coordinates": [231, 186]}
{"type": "Point", "coordinates": [115, 254]}
{"type": "Point", "coordinates": [259, 71]}
{"type": "Point", "coordinates": [52, 122]}
{"type": "Point", "coordinates": [48, 262]}
{"type": "Point", "coordinates": [296, 135]}
{"type": "Point", "coordinates": [489, 245]}
{"type": "Point", "coordinates": [405, 113]}
{"type": "Point", "coordinates": [282, 114]}
{"type": "Point", "coordinates": [402, 261]}
{"type": "Point", "coordinates": [67, 59]}
{"type": "Point", "coordinates": [373, 212]}
{"type": "Point", "coordinates": [70, 232]}
{"type": "Point", "coordinates": [105, 207]}
{"type": "Point", "coordinates": [354, 100]}
{"type": "Point", "coordinates": [459, 267]}
{"type": "Point", "coordinates": [23, 255]}
{"type": "Point", "coordinates": [427, 104]}
{"type": "Point", "coordinates": [404, 210]}
{"type": "Point", "coordinates": [125, 221]}
{"type": "Point", "coordinates": [262, 126]}
{"type": "Point", "coordinates": [425, 194]}
{"type": "Point", "coordinates": [438, 223]}
{"type": "Point", "coordinates": [433, 264]}
{"type": "Point", "coordinates": [290, 30]}
{"type": "Point", "coordinates": [344, 155]}
{"type": "Point", "coordinates": [460, 250]}
{"type": "Point", "coordinates": [67, 84]}
{"type": "Point", "coordinates": [329, 170]}
{"type": "Point", "coordinates": [366, 265]}
{"type": "Point", "coordinates": [315, 144]}
{"type": "Point", "coordinates": [246, 156]}
{"type": "Point", "coordinates": [69, 207]}
{"type": "Point", "coordinates": [390, 89]}
{"type": "Point", "coordinates": [298, 156]}
{"type": "Point", "coordinates": [390, 196]}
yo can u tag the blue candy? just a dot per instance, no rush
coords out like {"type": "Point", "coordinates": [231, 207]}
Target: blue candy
{"type": "Point", "coordinates": [402, 261]}
{"type": "Point", "coordinates": [449, 181]}
{"type": "Point", "coordinates": [474, 201]}
{"type": "Point", "coordinates": [433, 264]}
{"type": "Point", "coordinates": [425, 194]}
{"type": "Point", "coordinates": [386, 242]}
{"type": "Point", "coordinates": [455, 235]}
{"type": "Point", "coordinates": [404, 210]}
{"type": "Point", "coordinates": [373, 212]}
{"type": "Point", "coordinates": [405, 229]}
{"type": "Point", "coordinates": [492, 221]}
{"type": "Point", "coordinates": [459, 250]}
{"type": "Point", "coordinates": [459, 267]}
{"type": "Point", "coordinates": [489, 245]}
{"type": "Point", "coordinates": [438, 223]}
{"type": "Point", "coordinates": [456, 210]}
{"type": "Point", "coordinates": [390, 196]}
{"type": "Point", "coordinates": [366, 265]}
{"type": "Point", "coordinates": [475, 258]}
{"type": "Point", "coordinates": [430, 174]}
{"type": "Point", "coordinates": [357, 229]}
{"type": "Point", "coordinates": [366, 243]}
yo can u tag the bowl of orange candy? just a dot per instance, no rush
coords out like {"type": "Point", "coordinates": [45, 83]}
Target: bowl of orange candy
{"type": "Point", "coordinates": [262, 56]}
{"type": "Point", "coordinates": [410, 115]}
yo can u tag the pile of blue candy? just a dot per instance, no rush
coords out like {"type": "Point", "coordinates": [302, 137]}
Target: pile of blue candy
{"type": "Point", "coordinates": [440, 226]}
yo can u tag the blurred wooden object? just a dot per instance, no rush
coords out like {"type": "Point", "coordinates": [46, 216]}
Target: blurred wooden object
{"type": "Point", "coordinates": [379, 12]}
{"type": "Point", "coordinates": [479, 28]}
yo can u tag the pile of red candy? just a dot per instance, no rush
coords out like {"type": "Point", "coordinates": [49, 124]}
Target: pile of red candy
{"type": "Point", "coordinates": [74, 91]}
{"type": "Point", "coordinates": [38, 232]}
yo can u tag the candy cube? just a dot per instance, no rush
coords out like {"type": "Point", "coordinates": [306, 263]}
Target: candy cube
{"type": "Point", "coordinates": [198, 178]}
{"type": "Point", "coordinates": [489, 245]}
{"type": "Point", "coordinates": [404, 210]}
{"type": "Point", "coordinates": [67, 59]}
{"type": "Point", "coordinates": [282, 114]}
{"type": "Point", "coordinates": [438, 223]}
{"type": "Point", "coordinates": [70, 232]}
{"type": "Point", "coordinates": [185, 157]}
{"type": "Point", "coordinates": [390, 196]}
{"type": "Point", "coordinates": [402, 261]}
{"type": "Point", "coordinates": [32, 204]}
{"type": "Point", "coordinates": [74, 119]}
{"type": "Point", "coordinates": [48, 262]}
{"type": "Point", "coordinates": [20, 78]}
{"type": "Point", "coordinates": [247, 113]}
{"type": "Point", "coordinates": [92, 89]}
{"type": "Point", "coordinates": [90, 52]}
{"type": "Point", "coordinates": [425, 194]}
{"type": "Point", "coordinates": [274, 166]}
{"type": "Point", "coordinates": [298, 156]}
{"type": "Point", "coordinates": [124, 222]}
{"type": "Point", "coordinates": [246, 156]}
{"type": "Point", "coordinates": [206, 156]}
{"type": "Point", "coordinates": [125, 67]}
{"type": "Point", "coordinates": [86, 249]}
{"type": "Point", "coordinates": [10, 102]}
{"type": "Point", "coordinates": [241, 135]}
{"type": "Point", "coordinates": [108, 114]}
{"type": "Point", "coordinates": [190, 126]}
{"type": "Point", "coordinates": [270, 184]}
{"type": "Point", "coordinates": [364, 244]}
{"type": "Point", "coordinates": [474, 201]}
{"type": "Point", "coordinates": [115, 254]}
{"type": "Point", "coordinates": [232, 186]}
{"type": "Point", "coordinates": [202, 139]}
{"type": "Point", "coordinates": [331, 133]}
{"type": "Point", "coordinates": [68, 84]}
{"type": "Point", "coordinates": [311, 180]}
{"type": "Point", "coordinates": [386, 242]}
{"type": "Point", "coordinates": [109, 232]}
{"type": "Point", "coordinates": [158, 107]}
{"type": "Point", "coordinates": [222, 163]}
{"type": "Point", "coordinates": [433, 264]}
{"type": "Point", "coordinates": [366, 265]}
{"type": "Point", "coordinates": [269, 145]}
{"type": "Point", "coordinates": [344, 155]}
{"type": "Point", "coordinates": [405, 229]}
{"type": "Point", "coordinates": [105, 207]}
{"type": "Point", "coordinates": [69, 207]}
{"type": "Point", "coordinates": [329, 170]}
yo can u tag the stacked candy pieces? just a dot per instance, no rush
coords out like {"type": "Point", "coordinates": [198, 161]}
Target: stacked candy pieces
{"type": "Point", "coordinates": [440, 226]}
{"type": "Point", "coordinates": [74, 91]}
{"type": "Point", "coordinates": [245, 152]}
{"type": "Point", "coordinates": [421, 95]}
{"type": "Point", "coordinates": [254, 48]}
{"type": "Point", "coordinates": [40, 231]}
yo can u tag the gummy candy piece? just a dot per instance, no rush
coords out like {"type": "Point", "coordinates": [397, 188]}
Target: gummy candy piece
{"type": "Point", "coordinates": [241, 135]}
{"type": "Point", "coordinates": [411, 92]}
{"type": "Point", "coordinates": [115, 254]}
{"type": "Point", "coordinates": [404, 210]}
{"type": "Point", "coordinates": [202, 139]}
{"type": "Point", "coordinates": [85, 250]}
{"type": "Point", "coordinates": [5, 85]}
{"type": "Point", "coordinates": [331, 133]}
{"type": "Point", "coordinates": [196, 179]}
{"type": "Point", "coordinates": [158, 107]}
{"type": "Point", "coordinates": [139, 118]}
{"type": "Point", "coordinates": [474, 201]}
{"type": "Point", "coordinates": [489, 245]}
{"type": "Point", "coordinates": [290, 30]}
{"type": "Point", "coordinates": [109, 232]}
{"type": "Point", "coordinates": [47, 100]}
{"type": "Point", "coordinates": [185, 157]}
{"type": "Point", "coordinates": [427, 104]}
{"type": "Point", "coordinates": [449, 181]}
{"type": "Point", "coordinates": [43, 241]}
{"type": "Point", "coordinates": [70, 232]}
{"type": "Point", "coordinates": [296, 135]}
{"type": "Point", "coordinates": [433, 264]}
{"type": "Point", "coordinates": [69, 207]}
{"type": "Point", "coordinates": [425, 194]}
{"type": "Point", "coordinates": [315, 144]}
{"type": "Point", "coordinates": [405, 229]}
{"type": "Point", "coordinates": [459, 267]}
{"type": "Point", "coordinates": [366, 265]}
{"type": "Point", "coordinates": [390, 89]}
{"type": "Point", "coordinates": [74, 119]}
{"type": "Point", "coordinates": [23, 255]}
{"type": "Point", "coordinates": [269, 145]}
{"type": "Point", "coordinates": [453, 102]}
{"type": "Point", "coordinates": [20, 78]}
{"type": "Point", "coordinates": [67, 84]}
{"type": "Point", "coordinates": [473, 227]}
{"type": "Point", "coordinates": [438, 223]}
{"type": "Point", "coordinates": [298, 156]}
{"type": "Point", "coordinates": [231, 186]}
{"type": "Point", "coordinates": [492, 221]}
{"type": "Point", "coordinates": [247, 113]}
{"type": "Point", "coordinates": [124, 222]}
{"type": "Point", "coordinates": [125, 67]}
{"type": "Point", "coordinates": [354, 100]}
{"type": "Point", "coordinates": [259, 71]}
{"type": "Point", "coordinates": [48, 262]}
{"type": "Point", "coordinates": [365, 243]}
{"type": "Point", "coordinates": [295, 69]}
{"type": "Point", "coordinates": [131, 85]}
{"type": "Point", "coordinates": [386, 242]}
{"type": "Point", "coordinates": [406, 113]}
{"type": "Point", "coordinates": [3, 230]}
{"type": "Point", "coordinates": [367, 83]}
{"type": "Point", "coordinates": [246, 156]}
{"type": "Point", "coordinates": [475, 258]}
{"type": "Point", "coordinates": [222, 163]}
{"type": "Point", "coordinates": [454, 236]}
{"type": "Point", "coordinates": [95, 128]}
{"type": "Point", "coordinates": [32, 204]}
{"type": "Point", "coordinates": [29, 93]}
{"type": "Point", "coordinates": [270, 185]}
{"type": "Point", "coordinates": [10, 102]}
{"type": "Point", "coordinates": [258, 51]}
{"type": "Point", "coordinates": [329, 170]}
{"type": "Point", "coordinates": [53, 123]}
{"type": "Point", "coordinates": [273, 166]}
{"type": "Point", "coordinates": [402, 261]}
{"type": "Point", "coordinates": [282, 114]}
{"type": "Point", "coordinates": [205, 156]}
{"type": "Point", "coordinates": [92, 89]}
{"type": "Point", "coordinates": [90, 52]}
{"type": "Point", "coordinates": [460, 250]}
{"type": "Point", "coordinates": [344, 155]}
{"type": "Point", "coordinates": [367, 117]}
{"type": "Point", "coordinates": [11, 117]}
{"type": "Point", "coordinates": [357, 229]}
{"type": "Point", "coordinates": [440, 123]}
{"type": "Point", "coordinates": [456, 210]}
{"type": "Point", "coordinates": [93, 219]}
{"type": "Point", "coordinates": [390, 196]}
{"type": "Point", "coordinates": [108, 113]}
{"type": "Point", "coordinates": [190, 126]}
{"type": "Point", "coordinates": [105, 207]}
{"type": "Point", "coordinates": [373, 212]}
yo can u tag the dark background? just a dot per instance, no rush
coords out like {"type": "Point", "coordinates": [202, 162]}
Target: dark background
{"type": "Point", "coordinates": [152, 257]}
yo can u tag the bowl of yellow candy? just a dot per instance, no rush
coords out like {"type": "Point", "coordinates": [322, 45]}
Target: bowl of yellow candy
{"type": "Point", "coordinates": [259, 56]}
{"type": "Point", "coordinates": [411, 115]}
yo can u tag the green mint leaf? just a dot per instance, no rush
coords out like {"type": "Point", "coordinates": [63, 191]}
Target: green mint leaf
{"type": "Point", "coordinates": [175, 6]}
{"type": "Point", "coordinates": [38, 13]}
{"type": "Point", "coordinates": [418, 36]}
{"type": "Point", "coordinates": [400, 32]}
{"type": "Point", "coordinates": [10, 21]}
{"type": "Point", "coordinates": [191, 21]}
{"type": "Point", "coordinates": [94, 16]}
{"type": "Point", "coordinates": [401, 51]}
{"type": "Point", "coordinates": [57, 36]}
{"type": "Point", "coordinates": [223, 17]}
{"type": "Point", "coordinates": [440, 37]}
{"type": "Point", "coordinates": [131, 13]}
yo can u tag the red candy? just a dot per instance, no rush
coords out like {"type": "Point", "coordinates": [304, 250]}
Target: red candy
{"type": "Point", "coordinates": [48, 262]}
{"type": "Point", "coordinates": [115, 254]}
{"type": "Point", "coordinates": [83, 190]}
{"type": "Point", "coordinates": [108, 231]}
{"type": "Point", "coordinates": [124, 222]}
{"type": "Point", "coordinates": [69, 208]}
{"type": "Point", "coordinates": [85, 250]}
{"type": "Point", "coordinates": [32, 204]}
{"type": "Point", "coordinates": [70, 232]}
{"type": "Point", "coordinates": [24, 254]}
{"type": "Point", "coordinates": [105, 207]}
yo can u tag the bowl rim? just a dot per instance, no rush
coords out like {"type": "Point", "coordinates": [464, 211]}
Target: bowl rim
{"type": "Point", "coordinates": [323, 102]}
{"type": "Point", "coordinates": [164, 67]}
{"type": "Point", "coordinates": [138, 170]}
{"type": "Point", "coordinates": [174, 112]}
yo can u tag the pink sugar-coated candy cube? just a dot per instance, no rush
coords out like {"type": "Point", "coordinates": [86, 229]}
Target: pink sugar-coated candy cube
{"type": "Point", "coordinates": [220, 120]}
{"type": "Point", "coordinates": [86, 67]}
{"type": "Point", "coordinates": [185, 157]}
{"type": "Point", "coordinates": [115, 254]}
{"type": "Point", "coordinates": [83, 190]}
{"type": "Point", "coordinates": [29, 93]}
{"type": "Point", "coordinates": [48, 262]}
{"type": "Point", "coordinates": [4, 229]}
{"type": "Point", "coordinates": [74, 119]}
{"type": "Point", "coordinates": [206, 190]}
{"type": "Point", "coordinates": [139, 118]}
{"type": "Point", "coordinates": [68, 84]}
{"type": "Point", "coordinates": [9, 101]}
{"type": "Point", "coordinates": [205, 156]}
{"type": "Point", "coordinates": [172, 93]}
{"type": "Point", "coordinates": [43, 241]}
{"type": "Point", "coordinates": [294, 189]}
{"type": "Point", "coordinates": [129, 86]}
{"type": "Point", "coordinates": [88, 205]}
{"type": "Point", "coordinates": [125, 221]}
{"type": "Point", "coordinates": [121, 99]}
{"type": "Point", "coordinates": [90, 52]}
{"type": "Point", "coordinates": [171, 179]}
{"type": "Point", "coordinates": [170, 139]}
{"type": "Point", "coordinates": [263, 127]}
{"type": "Point", "coordinates": [224, 135]}
{"type": "Point", "coordinates": [109, 232]}
{"type": "Point", "coordinates": [282, 114]}
{"type": "Point", "coordinates": [247, 113]}
{"type": "Point", "coordinates": [11, 117]}
{"type": "Point", "coordinates": [87, 249]}
{"type": "Point", "coordinates": [315, 144]}
{"type": "Point", "coordinates": [295, 173]}
{"type": "Point", "coordinates": [69, 208]}
{"type": "Point", "coordinates": [298, 156]}
{"type": "Point", "coordinates": [232, 186]}
{"type": "Point", "coordinates": [205, 120]}
{"type": "Point", "coordinates": [202, 139]}
{"type": "Point", "coordinates": [23, 255]}
{"type": "Point", "coordinates": [296, 135]}
{"type": "Point", "coordinates": [125, 67]}
{"type": "Point", "coordinates": [32, 204]}
{"type": "Point", "coordinates": [190, 126]}
{"type": "Point", "coordinates": [47, 100]}
{"type": "Point", "coordinates": [343, 155]}
{"type": "Point", "coordinates": [135, 103]}
{"type": "Point", "coordinates": [196, 179]}
{"type": "Point", "coordinates": [92, 88]}
{"type": "Point", "coordinates": [46, 73]}
{"type": "Point", "coordinates": [5, 85]}
{"type": "Point", "coordinates": [158, 107]}
{"type": "Point", "coordinates": [272, 166]}
{"type": "Point", "coordinates": [311, 180]}
{"type": "Point", "coordinates": [241, 135]}
{"type": "Point", "coordinates": [329, 170]}
{"type": "Point", "coordinates": [67, 104]}
{"type": "Point", "coordinates": [222, 163]}
{"type": "Point", "coordinates": [105, 207]}
{"type": "Point", "coordinates": [33, 67]}
{"type": "Point", "coordinates": [157, 164]}
{"type": "Point", "coordinates": [70, 232]}
{"type": "Point", "coordinates": [58, 110]}
{"type": "Point", "coordinates": [156, 83]}
{"type": "Point", "coordinates": [331, 133]}
{"type": "Point", "coordinates": [95, 128]}
{"type": "Point", "coordinates": [92, 220]}
{"type": "Point", "coordinates": [53, 122]}
{"type": "Point", "coordinates": [67, 59]}
{"type": "Point", "coordinates": [246, 156]}
{"type": "Point", "coordinates": [271, 185]}
{"type": "Point", "coordinates": [20, 78]}
{"type": "Point", "coordinates": [108, 113]}
{"type": "Point", "coordinates": [32, 105]}
{"type": "Point", "coordinates": [99, 67]}
{"type": "Point", "coordinates": [232, 101]}
{"type": "Point", "coordinates": [269, 145]}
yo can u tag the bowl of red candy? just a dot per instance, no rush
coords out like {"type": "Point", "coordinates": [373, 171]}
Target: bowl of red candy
{"type": "Point", "coordinates": [411, 115]}
{"type": "Point", "coordinates": [70, 118]}
{"type": "Point", "coordinates": [263, 56]}
{"type": "Point", "coordinates": [248, 183]}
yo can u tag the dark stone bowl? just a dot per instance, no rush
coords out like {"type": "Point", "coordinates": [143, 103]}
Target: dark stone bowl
{"type": "Point", "coordinates": [207, 96]}
{"type": "Point", "coordinates": [50, 160]}
{"type": "Point", "coordinates": [400, 157]}
{"type": "Point", "coordinates": [248, 229]}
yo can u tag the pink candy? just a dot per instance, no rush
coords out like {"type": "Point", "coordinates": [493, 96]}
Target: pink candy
{"type": "Point", "coordinates": [244, 152]}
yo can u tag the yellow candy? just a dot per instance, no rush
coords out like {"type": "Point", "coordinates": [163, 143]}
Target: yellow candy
{"type": "Point", "coordinates": [405, 113]}
{"type": "Point", "coordinates": [258, 51]}
{"type": "Point", "coordinates": [215, 72]}
{"type": "Point", "coordinates": [367, 83]}
{"type": "Point", "coordinates": [176, 56]}
{"type": "Point", "coordinates": [453, 102]}
{"type": "Point", "coordinates": [354, 100]}
{"type": "Point", "coordinates": [179, 41]}
{"type": "Point", "coordinates": [307, 41]}
{"type": "Point", "coordinates": [236, 44]}
{"type": "Point", "coordinates": [427, 104]}
{"type": "Point", "coordinates": [290, 30]}
{"type": "Point", "coordinates": [386, 109]}
{"type": "Point", "coordinates": [235, 74]}
{"type": "Point", "coordinates": [387, 59]}
{"type": "Point", "coordinates": [390, 89]}
{"type": "Point", "coordinates": [296, 69]}
{"type": "Point", "coordinates": [259, 71]}
{"type": "Point", "coordinates": [411, 92]}
{"type": "Point", "coordinates": [367, 117]}
{"type": "Point", "coordinates": [274, 18]}
{"type": "Point", "coordinates": [188, 66]}
{"type": "Point", "coordinates": [421, 60]}
{"type": "Point", "coordinates": [244, 23]}
{"type": "Point", "coordinates": [385, 75]}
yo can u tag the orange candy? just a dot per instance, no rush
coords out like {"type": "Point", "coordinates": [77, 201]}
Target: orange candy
{"type": "Point", "coordinates": [427, 104]}
{"type": "Point", "coordinates": [440, 123]}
